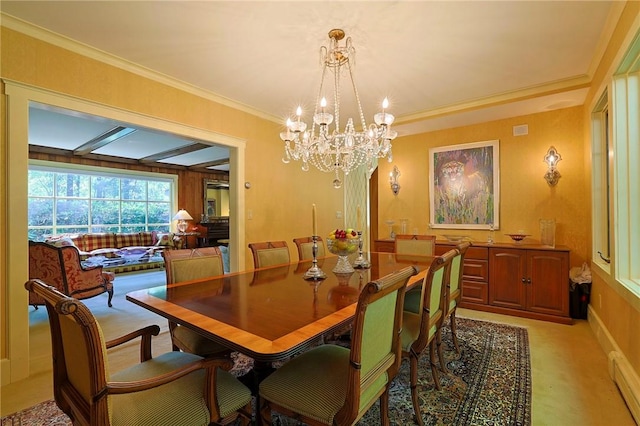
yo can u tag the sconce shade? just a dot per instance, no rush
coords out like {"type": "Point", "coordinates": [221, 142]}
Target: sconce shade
{"type": "Point", "coordinates": [552, 158]}
{"type": "Point", "coordinates": [393, 180]}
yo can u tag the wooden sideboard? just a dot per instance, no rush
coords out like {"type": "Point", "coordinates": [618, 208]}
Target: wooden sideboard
{"type": "Point", "coordinates": [525, 280]}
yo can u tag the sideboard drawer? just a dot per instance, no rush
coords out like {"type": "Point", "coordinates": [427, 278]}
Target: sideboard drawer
{"type": "Point", "coordinates": [475, 269]}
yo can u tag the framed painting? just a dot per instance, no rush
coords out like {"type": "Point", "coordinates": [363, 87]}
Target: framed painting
{"type": "Point", "coordinates": [464, 183]}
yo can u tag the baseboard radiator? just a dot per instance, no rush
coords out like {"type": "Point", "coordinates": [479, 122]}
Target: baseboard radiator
{"type": "Point", "coordinates": [620, 371]}
{"type": "Point", "coordinates": [627, 381]}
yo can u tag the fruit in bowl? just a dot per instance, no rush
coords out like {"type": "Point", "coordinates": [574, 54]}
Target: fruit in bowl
{"type": "Point", "coordinates": [343, 242]}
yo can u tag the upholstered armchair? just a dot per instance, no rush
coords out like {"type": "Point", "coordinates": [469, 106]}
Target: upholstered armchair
{"type": "Point", "coordinates": [60, 267]}
{"type": "Point", "coordinates": [174, 388]}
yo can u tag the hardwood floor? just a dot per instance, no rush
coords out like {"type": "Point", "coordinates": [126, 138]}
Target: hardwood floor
{"type": "Point", "coordinates": [571, 384]}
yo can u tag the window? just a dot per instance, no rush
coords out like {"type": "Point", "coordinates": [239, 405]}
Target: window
{"type": "Point", "coordinates": [616, 175]}
{"type": "Point", "coordinates": [68, 200]}
{"type": "Point", "coordinates": [601, 156]}
{"type": "Point", "coordinates": [626, 191]}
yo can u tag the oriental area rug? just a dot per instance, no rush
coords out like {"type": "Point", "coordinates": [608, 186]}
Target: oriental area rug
{"type": "Point", "coordinates": [489, 384]}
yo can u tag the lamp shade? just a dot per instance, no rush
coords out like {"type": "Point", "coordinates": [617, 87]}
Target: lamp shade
{"type": "Point", "coordinates": [182, 215]}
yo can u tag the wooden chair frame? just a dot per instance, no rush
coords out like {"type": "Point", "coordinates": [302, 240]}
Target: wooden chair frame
{"type": "Point", "coordinates": [456, 294]}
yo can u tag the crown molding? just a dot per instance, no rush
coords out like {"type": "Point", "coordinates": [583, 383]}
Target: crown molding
{"type": "Point", "coordinates": [37, 32]}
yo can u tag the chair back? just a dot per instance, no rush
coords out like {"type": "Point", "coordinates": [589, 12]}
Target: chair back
{"type": "Point", "coordinates": [78, 350]}
{"type": "Point", "coordinates": [305, 248]}
{"type": "Point", "coordinates": [424, 245]}
{"type": "Point", "coordinates": [455, 277]}
{"type": "Point", "coordinates": [434, 299]}
{"type": "Point", "coordinates": [270, 253]}
{"type": "Point", "coordinates": [192, 264]}
{"type": "Point", "coordinates": [375, 355]}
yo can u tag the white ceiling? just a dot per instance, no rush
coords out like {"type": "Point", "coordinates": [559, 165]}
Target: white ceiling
{"type": "Point", "coordinates": [441, 63]}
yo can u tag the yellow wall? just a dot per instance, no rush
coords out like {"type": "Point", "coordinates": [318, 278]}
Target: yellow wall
{"type": "Point", "coordinates": [525, 197]}
{"type": "Point", "coordinates": [616, 308]}
{"type": "Point", "coordinates": [280, 197]}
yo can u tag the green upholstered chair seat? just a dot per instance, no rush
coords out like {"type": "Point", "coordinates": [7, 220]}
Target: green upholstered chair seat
{"type": "Point", "coordinates": [317, 392]}
{"type": "Point", "coordinates": [180, 402]}
{"type": "Point", "coordinates": [411, 324]}
{"type": "Point", "coordinates": [192, 342]}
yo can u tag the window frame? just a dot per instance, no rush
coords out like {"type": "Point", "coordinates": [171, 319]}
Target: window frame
{"type": "Point", "coordinates": [601, 158]}
{"type": "Point", "coordinates": [109, 172]}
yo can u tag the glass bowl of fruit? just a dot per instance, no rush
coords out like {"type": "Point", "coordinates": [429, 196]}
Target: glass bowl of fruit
{"type": "Point", "coordinates": [343, 242]}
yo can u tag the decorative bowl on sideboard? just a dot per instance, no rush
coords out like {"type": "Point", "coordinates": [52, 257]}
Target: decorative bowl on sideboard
{"type": "Point", "coordinates": [518, 237]}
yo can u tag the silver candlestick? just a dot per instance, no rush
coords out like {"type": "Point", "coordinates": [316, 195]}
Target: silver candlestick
{"type": "Point", "coordinates": [361, 262]}
{"type": "Point", "coordinates": [315, 273]}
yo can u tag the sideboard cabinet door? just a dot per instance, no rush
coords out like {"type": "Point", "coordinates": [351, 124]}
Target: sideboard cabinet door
{"type": "Point", "coordinates": [507, 278]}
{"type": "Point", "coordinates": [531, 280]}
{"type": "Point", "coordinates": [547, 291]}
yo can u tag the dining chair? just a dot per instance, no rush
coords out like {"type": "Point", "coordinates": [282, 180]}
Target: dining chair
{"type": "Point", "coordinates": [170, 389]}
{"type": "Point", "coordinates": [424, 245]}
{"type": "Point", "coordinates": [455, 290]}
{"type": "Point", "coordinates": [334, 385]}
{"type": "Point", "coordinates": [422, 329]}
{"type": "Point", "coordinates": [305, 248]}
{"type": "Point", "coordinates": [270, 253]}
{"type": "Point", "coordinates": [187, 265]}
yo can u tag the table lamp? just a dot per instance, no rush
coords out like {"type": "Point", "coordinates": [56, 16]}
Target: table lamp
{"type": "Point", "coordinates": [182, 217]}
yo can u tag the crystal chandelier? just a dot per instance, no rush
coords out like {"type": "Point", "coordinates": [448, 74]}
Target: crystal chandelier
{"type": "Point", "coordinates": [334, 149]}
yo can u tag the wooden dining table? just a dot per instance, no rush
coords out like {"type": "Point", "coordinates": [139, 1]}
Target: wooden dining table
{"type": "Point", "coordinates": [270, 314]}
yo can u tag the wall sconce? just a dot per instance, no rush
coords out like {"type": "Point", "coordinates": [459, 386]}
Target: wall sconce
{"type": "Point", "coordinates": [393, 180]}
{"type": "Point", "coordinates": [553, 175]}
{"type": "Point", "coordinates": [182, 217]}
